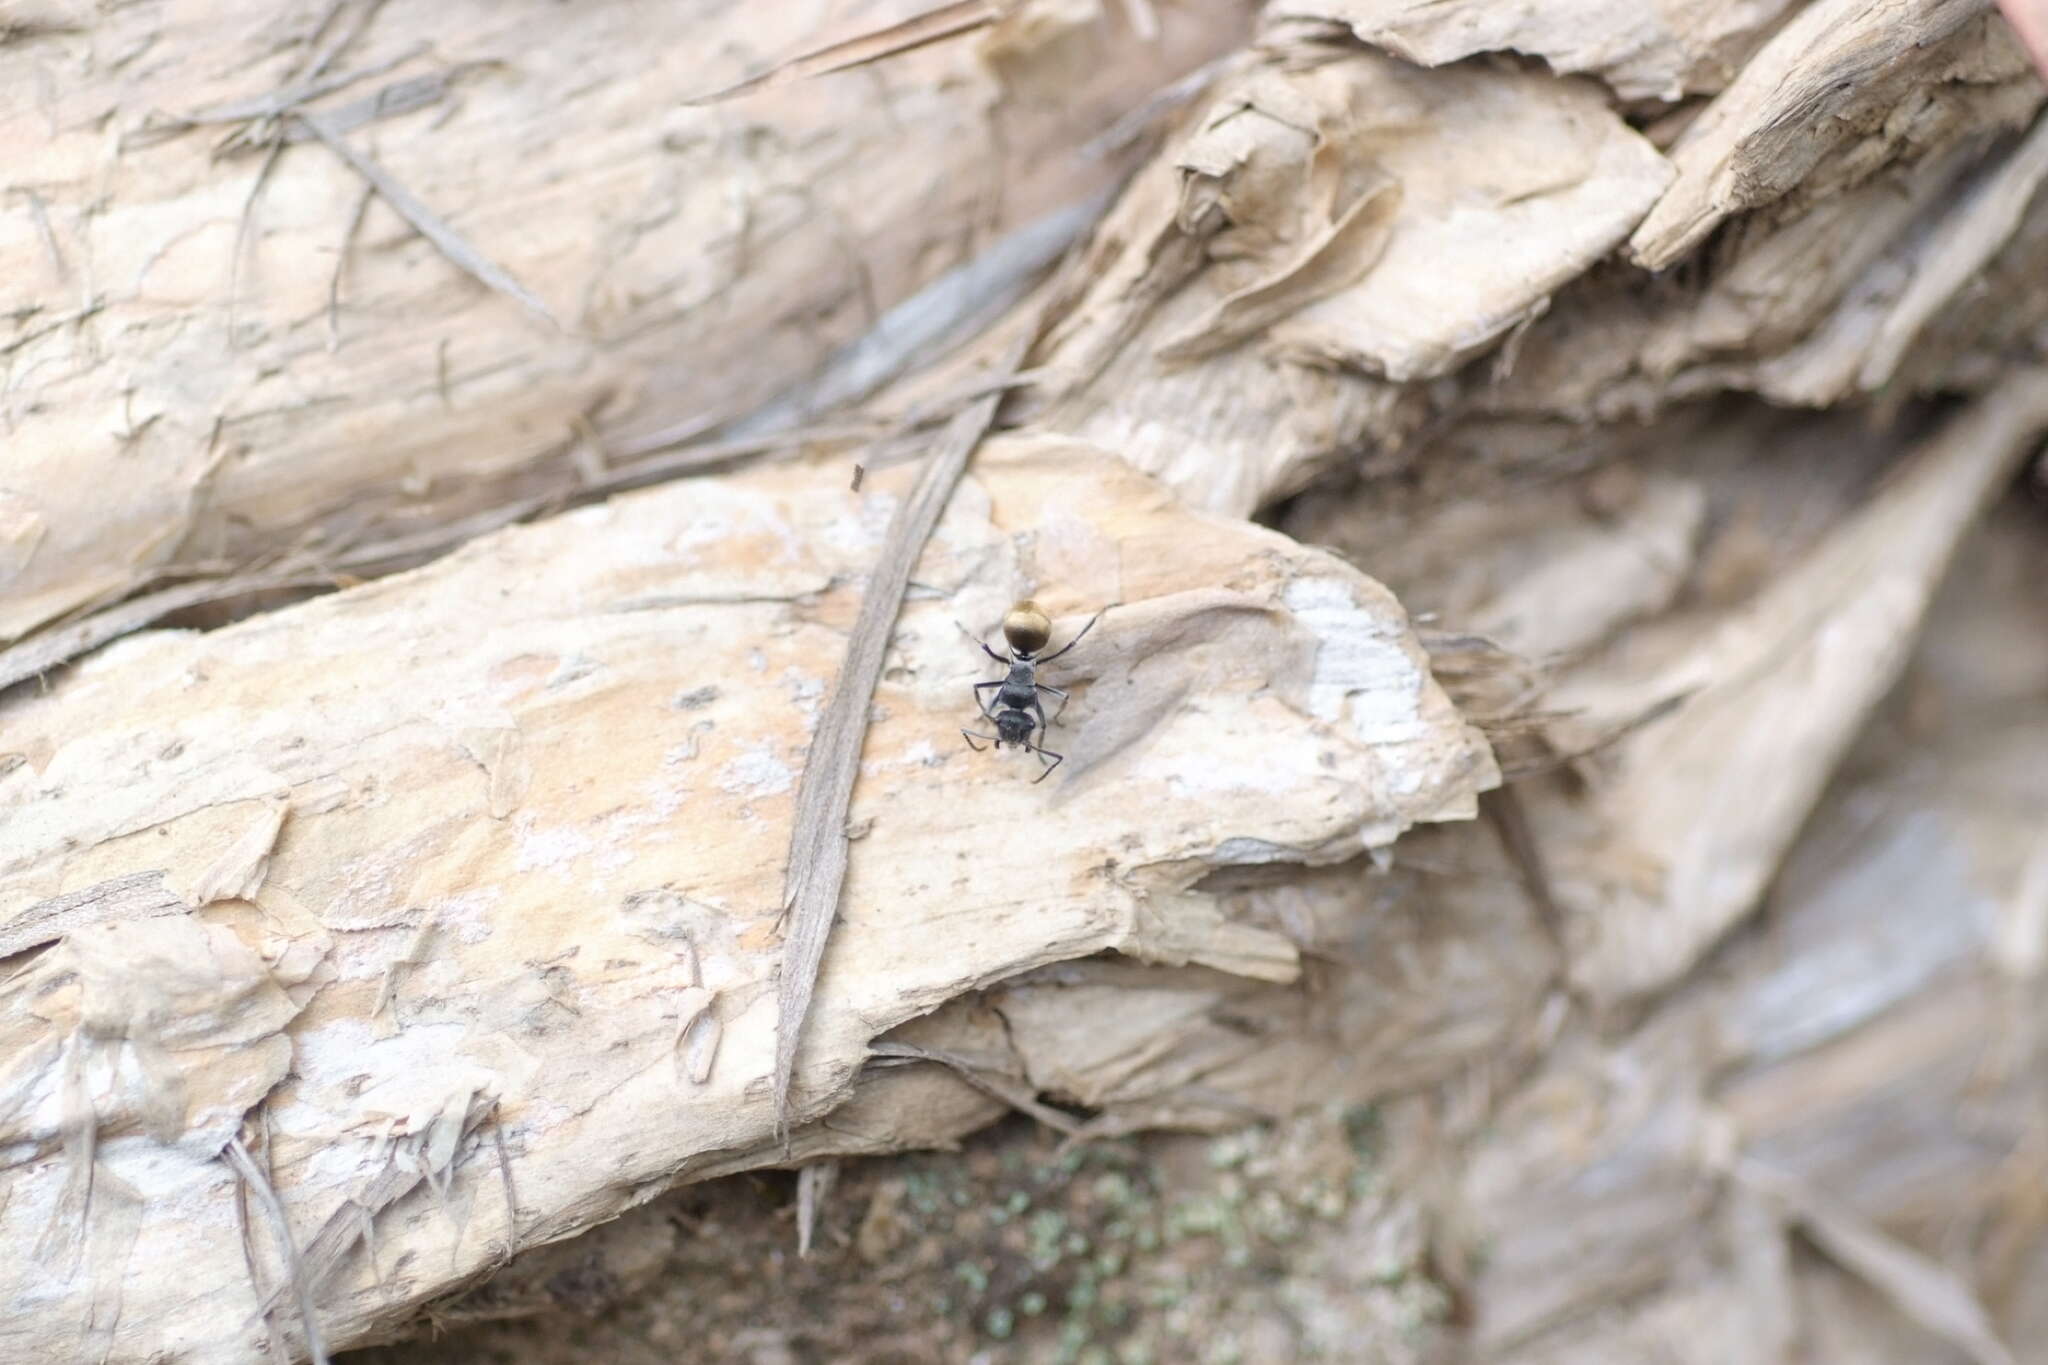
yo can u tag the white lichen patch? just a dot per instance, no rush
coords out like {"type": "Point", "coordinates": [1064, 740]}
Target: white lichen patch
{"type": "Point", "coordinates": [922, 754]}
{"type": "Point", "coordinates": [1365, 673]}
{"type": "Point", "coordinates": [805, 692]}
{"type": "Point", "coordinates": [467, 914]}
{"type": "Point", "coordinates": [756, 772]}
{"type": "Point", "coordinates": [552, 848]}
{"type": "Point", "coordinates": [661, 797]}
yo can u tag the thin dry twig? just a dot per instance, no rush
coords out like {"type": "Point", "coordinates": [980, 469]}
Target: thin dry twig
{"type": "Point", "coordinates": [446, 239]}
{"type": "Point", "coordinates": [54, 325]}
{"type": "Point", "coordinates": [40, 213]}
{"type": "Point", "coordinates": [947, 21]}
{"type": "Point", "coordinates": [260, 126]}
{"type": "Point", "coordinates": [1016, 1094]}
{"type": "Point", "coordinates": [253, 1178]}
{"type": "Point", "coordinates": [43, 652]}
{"type": "Point", "coordinates": [348, 237]}
{"type": "Point", "coordinates": [813, 1183]}
{"type": "Point", "coordinates": [1922, 1288]}
{"type": "Point", "coordinates": [817, 841]}
{"type": "Point", "coordinates": [245, 228]}
{"type": "Point", "coordinates": [388, 101]}
{"type": "Point", "coordinates": [1156, 108]}
{"type": "Point", "coordinates": [259, 112]}
{"type": "Point", "coordinates": [958, 304]}
{"type": "Point", "coordinates": [314, 35]}
{"type": "Point", "coordinates": [341, 41]}
{"type": "Point", "coordinates": [264, 110]}
{"type": "Point", "coordinates": [245, 1229]}
{"type": "Point", "coordinates": [505, 1179]}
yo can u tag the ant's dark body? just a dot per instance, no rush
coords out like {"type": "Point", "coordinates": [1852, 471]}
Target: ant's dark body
{"type": "Point", "coordinates": [1018, 710]}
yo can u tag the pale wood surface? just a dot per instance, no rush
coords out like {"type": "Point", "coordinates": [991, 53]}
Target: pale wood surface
{"type": "Point", "coordinates": [447, 905]}
{"type": "Point", "coordinates": [176, 389]}
{"type": "Point", "coordinates": [508, 831]}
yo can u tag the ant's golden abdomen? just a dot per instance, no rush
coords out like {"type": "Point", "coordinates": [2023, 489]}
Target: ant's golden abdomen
{"type": "Point", "coordinates": [1026, 627]}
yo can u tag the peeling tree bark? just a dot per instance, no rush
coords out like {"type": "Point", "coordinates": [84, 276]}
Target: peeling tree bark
{"type": "Point", "coordinates": [650, 671]}
{"type": "Point", "coordinates": [230, 366]}
{"type": "Point", "coordinates": [365, 945]}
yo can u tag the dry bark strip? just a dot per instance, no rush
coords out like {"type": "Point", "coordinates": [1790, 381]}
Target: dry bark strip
{"type": "Point", "coordinates": [1653, 867]}
{"type": "Point", "coordinates": [134, 896]}
{"type": "Point", "coordinates": [1859, 1066]}
{"type": "Point", "coordinates": [1661, 52]}
{"type": "Point", "coordinates": [1329, 232]}
{"type": "Point", "coordinates": [1805, 93]}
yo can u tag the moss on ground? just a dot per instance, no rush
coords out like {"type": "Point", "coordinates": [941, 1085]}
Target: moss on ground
{"type": "Point", "coordinates": [1274, 1243]}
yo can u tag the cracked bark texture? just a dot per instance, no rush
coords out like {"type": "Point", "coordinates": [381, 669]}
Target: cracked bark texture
{"type": "Point", "coordinates": [518, 856]}
{"type": "Point", "coordinates": [208, 358]}
{"type": "Point", "coordinates": [358, 946]}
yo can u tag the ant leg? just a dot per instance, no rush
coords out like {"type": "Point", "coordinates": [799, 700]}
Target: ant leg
{"type": "Point", "coordinates": [982, 701]}
{"type": "Point", "coordinates": [1044, 754]}
{"type": "Point", "coordinates": [984, 645]}
{"type": "Point", "coordinates": [1028, 746]}
{"type": "Point", "coordinates": [1059, 692]}
{"type": "Point", "coordinates": [1076, 640]}
{"type": "Point", "coordinates": [970, 737]}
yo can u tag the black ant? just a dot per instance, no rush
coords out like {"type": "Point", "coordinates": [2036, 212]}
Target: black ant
{"type": "Point", "coordinates": [1018, 710]}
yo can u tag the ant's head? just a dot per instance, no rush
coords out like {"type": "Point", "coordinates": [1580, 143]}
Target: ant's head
{"type": "Point", "coordinates": [1014, 726]}
{"type": "Point", "coordinates": [1026, 628]}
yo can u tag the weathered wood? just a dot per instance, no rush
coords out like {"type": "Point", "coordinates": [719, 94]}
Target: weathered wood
{"type": "Point", "coordinates": [1660, 52]}
{"type": "Point", "coordinates": [208, 359]}
{"type": "Point", "coordinates": [1809, 95]}
{"type": "Point", "coordinates": [1332, 226]}
{"type": "Point", "coordinates": [536, 804]}
{"type": "Point", "coordinates": [445, 911]}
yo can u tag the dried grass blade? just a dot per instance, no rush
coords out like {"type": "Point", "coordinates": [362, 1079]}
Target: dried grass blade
{"type": "Point", "coordinates": [947, 21]}
{"type": "Point", "coordinates": [253, 1178]}
{"type": "Point", "coordinates": [1017, 1094]}
{"type": "Point", "coordinates": [817, 841]}
{"type": "Point", "coordinates": [449, 242]}
{"type": "Point", "coordinates": [1922, 1288]}
{"type": "Point", "coordinates": [43, 652]}
{"type": "Point", "coordinates": [813, 1183]}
